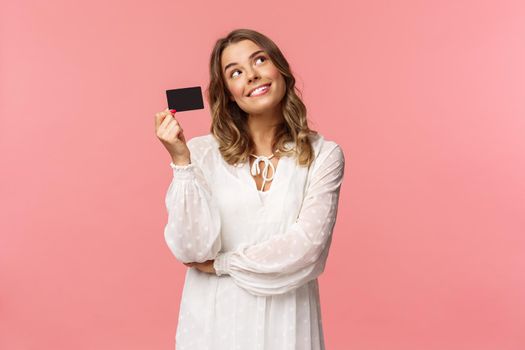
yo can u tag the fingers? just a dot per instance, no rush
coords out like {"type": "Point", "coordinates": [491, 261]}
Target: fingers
{"type": "Point", "coordinates": [172, 130]}
{"type": "Point", "coordinates": [163, 118]}
{"type": "Point", "coordinates": [160, 122]}
{"type": "Point", "coordinates": [203, 267]}
{"type": "Point", "coordinates": [159, 117]}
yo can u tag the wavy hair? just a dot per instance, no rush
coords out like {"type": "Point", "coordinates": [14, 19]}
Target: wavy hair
{"type": "Point", "coordinates": [229, 121]}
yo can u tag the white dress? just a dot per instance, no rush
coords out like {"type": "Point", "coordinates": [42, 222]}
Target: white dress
{"type": "Point", "coordinates": [268, 248]}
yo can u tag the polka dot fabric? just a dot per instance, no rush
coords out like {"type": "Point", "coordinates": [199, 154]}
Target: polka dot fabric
{"type": "Point", "coordinates": [267, 252]}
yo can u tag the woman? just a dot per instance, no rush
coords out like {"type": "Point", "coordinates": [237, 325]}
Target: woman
{"type": "Point", "coordinates": [251, 206]}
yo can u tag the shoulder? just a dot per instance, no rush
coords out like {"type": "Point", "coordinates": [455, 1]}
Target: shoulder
{"type": "Point", "coordinates": [329, 158]}
{"type": "Point", "coordinates": [202, 143]}
{"type": "Point", "coordinates": [202, 146]}
{"type": "Point", "coordinates": [326, 149]}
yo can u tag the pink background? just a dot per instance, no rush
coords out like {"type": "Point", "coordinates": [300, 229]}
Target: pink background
{"type": "Point", "coordinates": [427, 99]}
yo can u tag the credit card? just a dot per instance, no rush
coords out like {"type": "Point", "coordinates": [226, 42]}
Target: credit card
{"type": "Point", "coordinates": [185, 99]}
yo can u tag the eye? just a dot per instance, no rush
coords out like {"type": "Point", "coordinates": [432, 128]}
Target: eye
{"type": "Point", "coordinates": [233, 72]}
{"type": "Point", "coordinates": [260, 57]}
{"type": "Point", "coordinates": [236, 70]}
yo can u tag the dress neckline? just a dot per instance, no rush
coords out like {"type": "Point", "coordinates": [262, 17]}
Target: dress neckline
{"type": "Point", "coordinates": [255, 170]}
{"type": "Point", "coordinates": [264, 197]}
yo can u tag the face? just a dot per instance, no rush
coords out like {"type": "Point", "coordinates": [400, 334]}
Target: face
{"type": "Point", "coordinates": [244, 73]}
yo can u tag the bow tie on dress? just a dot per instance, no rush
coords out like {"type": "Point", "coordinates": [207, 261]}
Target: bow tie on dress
{"type": "Point", "coordinates": [267, 163]}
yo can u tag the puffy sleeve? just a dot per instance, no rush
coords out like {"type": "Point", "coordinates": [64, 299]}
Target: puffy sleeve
{"type": "Point", "coordinates": [192, 232]}
{"type": "Point", "coordinates": [285, 262]}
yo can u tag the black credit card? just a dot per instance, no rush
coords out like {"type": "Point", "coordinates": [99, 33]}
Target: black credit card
{"type": "Point", "coordinates": [185, 99]}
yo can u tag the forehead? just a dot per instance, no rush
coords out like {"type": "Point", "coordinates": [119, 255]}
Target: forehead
{"type": "Point", "coordinates": [238, 52]}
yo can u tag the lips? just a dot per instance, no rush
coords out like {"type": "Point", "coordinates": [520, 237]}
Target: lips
{"type": "Point", "coordinates": [255, 88]}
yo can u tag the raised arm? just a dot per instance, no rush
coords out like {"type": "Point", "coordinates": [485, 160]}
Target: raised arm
{"type": "Point", "coordinates": [193, 229]}
{"type": "Point", "coordinates": [287, 261]}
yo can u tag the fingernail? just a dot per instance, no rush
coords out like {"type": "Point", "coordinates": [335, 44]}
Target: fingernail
{"type": "Point", "coordinates": [173, 110]}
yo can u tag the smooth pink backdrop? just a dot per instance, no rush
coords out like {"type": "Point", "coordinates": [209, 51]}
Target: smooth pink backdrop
{"type": "Point", "coordinates": [427, 99]}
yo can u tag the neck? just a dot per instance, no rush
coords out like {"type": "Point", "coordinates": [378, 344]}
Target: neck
{"type": "Point", "coordinates": [262, 128]}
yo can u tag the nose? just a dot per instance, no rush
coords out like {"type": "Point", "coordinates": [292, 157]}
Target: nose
{"type": "Point", "coordinates": [252, 75]}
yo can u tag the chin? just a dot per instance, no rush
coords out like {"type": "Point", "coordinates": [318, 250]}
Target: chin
{"type": "Point", "coordinates": [259, 107]}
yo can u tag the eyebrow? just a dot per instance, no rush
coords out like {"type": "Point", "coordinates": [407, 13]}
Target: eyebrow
{"type": "Point", "coordinates": [234, 63]}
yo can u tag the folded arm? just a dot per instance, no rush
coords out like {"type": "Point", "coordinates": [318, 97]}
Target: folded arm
{"type": "Point", "coordinates": [287, 261]}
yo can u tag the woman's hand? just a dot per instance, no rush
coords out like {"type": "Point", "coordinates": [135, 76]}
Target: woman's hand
{"type": "Point", "coordinates": [170, 133]}
{"type": "Point", "coordinates": [206, 266]}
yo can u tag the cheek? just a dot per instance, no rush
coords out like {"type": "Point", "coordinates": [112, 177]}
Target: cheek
{"type": "Point", "coordinates": [274, 74]}
{"type": "Point", "coordinates": [280, 79]}
{"type": "Point", "coordinates": [236, 90]}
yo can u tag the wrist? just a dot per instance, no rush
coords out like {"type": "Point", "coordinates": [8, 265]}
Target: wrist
{"type": "Point", "coordinates": [180, 161]}
{"type": "Point", "coordinates": [221, 264]}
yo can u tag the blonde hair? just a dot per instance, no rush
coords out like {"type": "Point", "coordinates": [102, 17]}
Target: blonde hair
{"type": "Point", "coordinates": [229, 121]}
